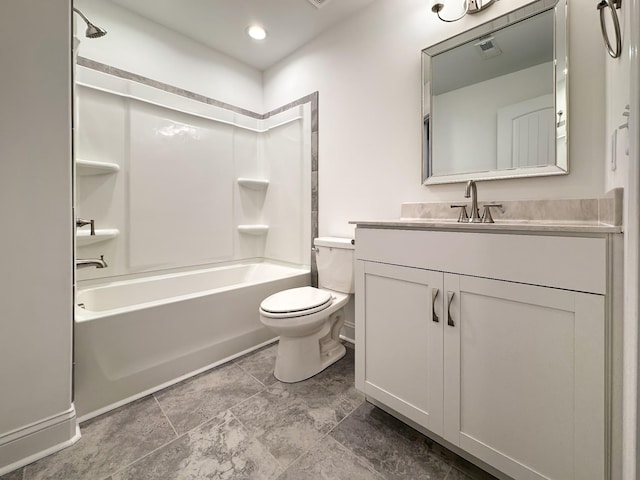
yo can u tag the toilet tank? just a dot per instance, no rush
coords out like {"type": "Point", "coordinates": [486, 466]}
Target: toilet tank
{"type": "Point", "coordinates": [334, 258]}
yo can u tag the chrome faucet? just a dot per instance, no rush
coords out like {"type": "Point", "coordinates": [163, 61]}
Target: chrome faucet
{"type": "Point", "coordinates": [91, 262]}
{"type": "Point", "coordinates": [81, 223]}
{"type": "Point", "coordinates": [472, 191]}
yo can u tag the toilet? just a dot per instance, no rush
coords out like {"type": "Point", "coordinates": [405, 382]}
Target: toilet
{"type": "Point", "coordinates": [308, 319]}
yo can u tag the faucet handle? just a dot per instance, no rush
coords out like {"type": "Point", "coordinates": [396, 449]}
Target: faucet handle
{"type": "Point", "coordinates": [81, 223]}
{"type": "Point", "coordinates": [463, 217]}
{"type": "Point", "coordinates": [486, 214]}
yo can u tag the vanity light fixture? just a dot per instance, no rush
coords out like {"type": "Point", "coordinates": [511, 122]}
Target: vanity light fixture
{"type": "Point", "coordinates": [256, 32]}
{"type": "Point", "coordinates": [470, 6]}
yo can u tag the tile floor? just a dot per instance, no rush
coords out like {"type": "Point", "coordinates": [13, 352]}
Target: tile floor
{"type": "Point", "coordinates": [238, 422]}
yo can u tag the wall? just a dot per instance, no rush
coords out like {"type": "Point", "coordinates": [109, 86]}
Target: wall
{"type": "Point", "coordinates": [367, 72]}
{"type": "Point", "coordinates": [621, 169]}
{"type": "Point", "coordinates": [36, 217]}
{"type": "Point", "coordinates": [140, 46]}
{"type": "Point", "coordinates": [617, 98]}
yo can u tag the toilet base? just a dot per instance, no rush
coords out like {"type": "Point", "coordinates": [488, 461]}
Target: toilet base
{"type": "Point", "coordinates": [301, 358]}
{"type": "Point", "coordinates": [288, 375]}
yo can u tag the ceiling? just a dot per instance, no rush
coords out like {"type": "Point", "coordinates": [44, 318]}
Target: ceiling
{"type": "Point", "coordinates": [221, 24]}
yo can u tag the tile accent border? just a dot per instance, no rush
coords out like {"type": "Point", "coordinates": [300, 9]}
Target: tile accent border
{"type": "Point", "coordinates": [116, 72]}
{"type": "Point", "coordinates": [312, 98]}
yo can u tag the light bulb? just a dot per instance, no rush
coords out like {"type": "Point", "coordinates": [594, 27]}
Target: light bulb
{"type": "Point", "coordinates": [436, 5]}
{"type": "Point", "coordinates": [257, 32]}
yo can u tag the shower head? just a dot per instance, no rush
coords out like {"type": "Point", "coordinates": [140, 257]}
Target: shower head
{"type": "Point", "coordinates": [92, 31]}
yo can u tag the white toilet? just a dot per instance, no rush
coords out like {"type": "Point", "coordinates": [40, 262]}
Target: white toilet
{"type": "Point", "coordinates": [308, 319]}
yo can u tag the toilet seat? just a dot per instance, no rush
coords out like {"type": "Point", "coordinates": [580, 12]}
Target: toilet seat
{"type": "Point", "coordinates": [295, 302]}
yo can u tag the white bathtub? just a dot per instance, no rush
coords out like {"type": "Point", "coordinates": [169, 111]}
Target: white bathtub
{"type": "Point", "coordinates": [134, 337]}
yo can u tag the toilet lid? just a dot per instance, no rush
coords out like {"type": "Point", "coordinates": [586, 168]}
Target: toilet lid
{"type": "Point", "coordinates": [296, 300]}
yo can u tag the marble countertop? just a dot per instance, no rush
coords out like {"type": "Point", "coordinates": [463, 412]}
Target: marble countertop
{"type": "Point", "coordinates": [583, 215]}
{"type": "Point", "coordinates": [499, 226]}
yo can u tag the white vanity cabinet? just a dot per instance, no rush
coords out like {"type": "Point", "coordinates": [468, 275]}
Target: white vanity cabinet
{"type": "Point", "coordinates": [496, 343]}
{"type": "Point", "coordinates": [404, 350]}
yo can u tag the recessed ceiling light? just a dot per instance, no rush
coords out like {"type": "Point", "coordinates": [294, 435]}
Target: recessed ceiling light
{"type": "Point", "coordinates": [257, 32]}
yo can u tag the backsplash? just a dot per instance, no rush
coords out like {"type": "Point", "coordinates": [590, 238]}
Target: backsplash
{"type": "Point", "coordinates": [605, 210]}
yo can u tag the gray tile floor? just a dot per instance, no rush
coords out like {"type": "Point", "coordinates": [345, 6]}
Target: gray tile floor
{"type": "Point", "coordinates": [238, 422]}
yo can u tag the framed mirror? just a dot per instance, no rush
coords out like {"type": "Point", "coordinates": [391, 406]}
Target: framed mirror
{"type": "Point", "coordinates": [495, 99]}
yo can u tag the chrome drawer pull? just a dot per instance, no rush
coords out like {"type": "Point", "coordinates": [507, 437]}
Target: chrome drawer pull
{"type": "Point", "coordinates": [434, 295]}
{"type": "Point", "coordinates": [450, 320]}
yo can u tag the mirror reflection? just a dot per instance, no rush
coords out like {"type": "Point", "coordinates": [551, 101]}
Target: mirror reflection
{"type": "Point", "coordinates": [495, 99]}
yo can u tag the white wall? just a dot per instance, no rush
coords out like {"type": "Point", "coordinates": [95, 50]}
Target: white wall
{"type": "Point", "coordinates": [622, 89]}
{"type": "Point", "coordinates": [35, 212]}
{"type": "Point", "coordinates": [141, 46]}
{"type": "Point", "coordinates": [367, 72]}
{"type": "Point", "coordinates": [617, 98]}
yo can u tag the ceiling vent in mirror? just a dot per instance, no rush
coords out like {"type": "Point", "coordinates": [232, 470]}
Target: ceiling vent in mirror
{"type": "Point", "coordinates": [487, 47]}
{"type": "Point", "coordinates": [319, 3]}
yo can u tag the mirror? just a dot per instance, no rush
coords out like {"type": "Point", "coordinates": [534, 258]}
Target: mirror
{"type": "Point", "coordinates": [495, 99]}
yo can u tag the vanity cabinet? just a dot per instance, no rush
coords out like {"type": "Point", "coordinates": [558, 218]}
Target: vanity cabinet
{"type": "Point", "coordinates": [404, 362]}
{"type": "Point", "coordinates": [461, 345]}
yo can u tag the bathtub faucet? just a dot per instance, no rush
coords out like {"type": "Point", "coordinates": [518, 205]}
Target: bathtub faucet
{"type": "Point", "coordinates": [91, 262]}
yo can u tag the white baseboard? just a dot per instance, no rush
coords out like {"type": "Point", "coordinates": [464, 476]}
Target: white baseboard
{"type": "Point", "coordinates": [37, 440]}
{"type": "Point", "coordinates": [348, 332]}
{"type": "Point", "coordinates": [347, 339]}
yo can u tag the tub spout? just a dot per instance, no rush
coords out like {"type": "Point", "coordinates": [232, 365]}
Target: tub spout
{"type": "Point", "coordinates": [91, 262]}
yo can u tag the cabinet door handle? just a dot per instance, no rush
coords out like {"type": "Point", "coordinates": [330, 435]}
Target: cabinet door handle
{"type": "Point", "coordinates": [434, 295]}
{"type": "Point", "coordinates": [450, 321]}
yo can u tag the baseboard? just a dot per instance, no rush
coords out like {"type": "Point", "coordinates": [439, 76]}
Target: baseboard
{"type": "Point", "coordinates": [347, 339]}
{"type": "Point", "coordinates": [33, 442]}
{"type": "Point", "coordinates": [348, 332]}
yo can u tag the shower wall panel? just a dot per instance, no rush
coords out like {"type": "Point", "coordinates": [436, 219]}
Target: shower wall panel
{"type": "Point", "coordinates": [176, 201]}
{"type": "Point", "coordinates": [287, 202]}
{"type": "Point", "coordinates": [180, 188]}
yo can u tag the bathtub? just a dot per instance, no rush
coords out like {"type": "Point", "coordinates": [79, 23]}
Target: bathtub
{"type": "Point", "coordinates": [137, 336]}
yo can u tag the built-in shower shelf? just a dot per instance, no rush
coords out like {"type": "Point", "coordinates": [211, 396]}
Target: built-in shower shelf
{"type": "Point", "coordinates": [84, 237]}
{"type": "Point", "coordinates": [88, 167]}
{"type": "Point", "coordinates": [254, 229]}
{"type": "Point", "coordinates": [253, 183]}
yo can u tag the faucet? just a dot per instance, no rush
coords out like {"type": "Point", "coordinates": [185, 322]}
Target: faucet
{"type": "Point", "coordinates": [91, 262]}
{"type": "Point", "coordinates": [472, 191]}
{"type": "Point", "coordinates": [81, 223]}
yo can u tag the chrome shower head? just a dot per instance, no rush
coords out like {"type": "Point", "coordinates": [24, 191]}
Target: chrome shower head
{"type": "Point", "coordinates": [92, 30]}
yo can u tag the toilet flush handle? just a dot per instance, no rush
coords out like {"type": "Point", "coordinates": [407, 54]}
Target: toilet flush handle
{"type": "Point", "coordinates": [315, 249]}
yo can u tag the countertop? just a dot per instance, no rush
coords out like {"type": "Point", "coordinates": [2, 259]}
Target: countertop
{"type": "Point", "coordinates": [499, 226]}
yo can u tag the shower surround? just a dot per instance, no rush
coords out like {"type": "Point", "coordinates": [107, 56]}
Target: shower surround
{"type": "Point", "coordinates": [185, 191]}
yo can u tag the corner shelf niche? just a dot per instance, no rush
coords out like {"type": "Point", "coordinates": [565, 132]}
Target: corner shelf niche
{"type": "Point", "coordinates": [86, 168]}
{"type": "Point", "coordinates": [256, 230]}
{"type": "Point", "coordinates": [84, 237]}
{"type": "Point", "coordinates": [253, 183]}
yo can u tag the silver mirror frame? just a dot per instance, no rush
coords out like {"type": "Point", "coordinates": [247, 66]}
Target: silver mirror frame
{"type": "Point", "coordinates": [561, 64]}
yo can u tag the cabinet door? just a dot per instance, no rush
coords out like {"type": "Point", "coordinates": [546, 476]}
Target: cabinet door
{"type": "Point", "coordinates": [402, 339]}
{"type": "Point", "coordinates": [524, 378]}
